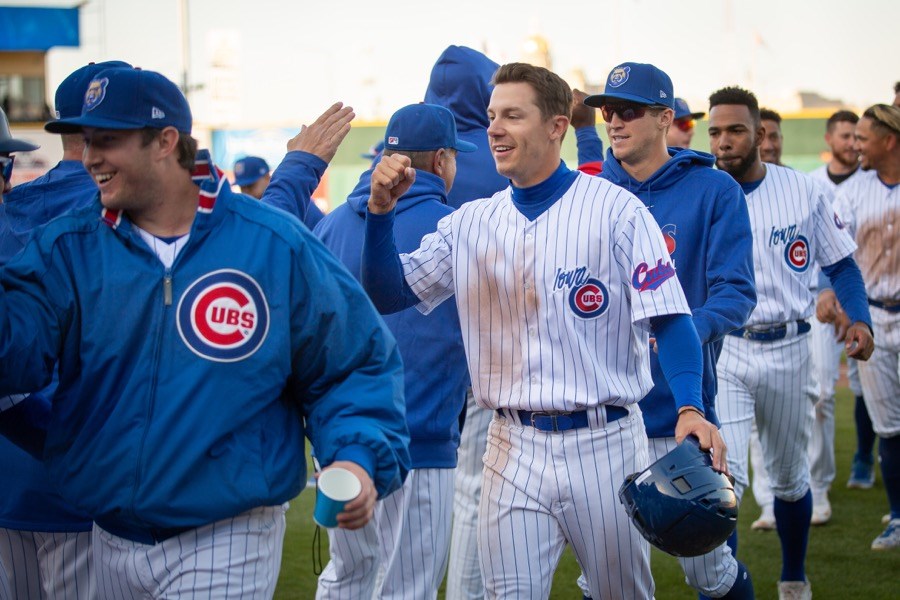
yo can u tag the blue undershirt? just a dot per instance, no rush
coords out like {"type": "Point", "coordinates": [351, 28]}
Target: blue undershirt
{"type": "Point", "coordinates": [535, 200]}
{"type": "Point", "coordinates": [750, 186]}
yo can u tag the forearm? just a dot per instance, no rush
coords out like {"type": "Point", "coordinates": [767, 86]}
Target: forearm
{"type": "Point", "coordinates": [846, 279]}
{"type": "Point", "coordinates": [681, 359]}
{"type": "Point", "coordinates": [382, 273]}
{"type": "Point", "coordinates": [294, 182]}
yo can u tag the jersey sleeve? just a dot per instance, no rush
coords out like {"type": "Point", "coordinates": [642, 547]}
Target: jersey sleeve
{"type": "Point", "coordinates": [844, 209]}
{"type": "Point", "coordinates": [833, 241]}
{"type": "Point", "coordinates": [645, 267]}
{"type": "Point", "coordinates": [429, 269]}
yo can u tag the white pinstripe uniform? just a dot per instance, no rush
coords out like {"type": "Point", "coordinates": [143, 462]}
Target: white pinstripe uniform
{"type": "Point", "coordinates": [794, 226]}
{"type": "Point", "coordinates": [552, 321]}
{"type": "Point", "coordinates": [871, 211]}
{"type": "Point", "coordinates": [826, 359]}
{"type": "Point", "coordinates": [53, 565]}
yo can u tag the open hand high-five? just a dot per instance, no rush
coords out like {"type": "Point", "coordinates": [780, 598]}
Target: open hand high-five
{"type": "Point", "coordinates": [392, 177]}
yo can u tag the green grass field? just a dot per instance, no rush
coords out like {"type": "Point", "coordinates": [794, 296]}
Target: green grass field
{"type": "Point", "coordinates": [840, 564]}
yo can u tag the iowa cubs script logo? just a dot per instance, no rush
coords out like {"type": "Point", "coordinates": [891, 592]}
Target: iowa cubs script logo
{"type": "Point", "coordinates": [588, 297]}
{"type": "Point", "coordinates": [223, 316]}
{"type": "Point", "coordinates": [796, 253]}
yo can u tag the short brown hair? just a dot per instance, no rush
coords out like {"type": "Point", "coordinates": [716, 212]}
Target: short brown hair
{"type": "Point", "coordinates": [187, 146]}
{"type": "Point", "coordinates": [554, 96]}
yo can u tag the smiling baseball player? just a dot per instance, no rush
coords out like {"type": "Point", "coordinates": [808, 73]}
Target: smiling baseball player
{"type": "Point", "coordinates": [764, 368]}
{"type": "Point", "coordinates": [558, 280]}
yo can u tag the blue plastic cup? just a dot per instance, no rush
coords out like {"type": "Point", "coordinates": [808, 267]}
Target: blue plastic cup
{"type": "Point", "coordinates": [336, 487]}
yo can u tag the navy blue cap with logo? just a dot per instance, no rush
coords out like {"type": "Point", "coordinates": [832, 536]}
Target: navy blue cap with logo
{"type": "Point", "coordinates": [683, 111]}
{"type": "Point", "coordinates": [249, 169]}
{"type": "Point", "coordinates": [69, 98]}
{"type": "Point", "coordinates": [422, 127]}
{"type": "Point", "coordinates": [129, 99]}
{"type": "Point", "coordinates": [636, 82]}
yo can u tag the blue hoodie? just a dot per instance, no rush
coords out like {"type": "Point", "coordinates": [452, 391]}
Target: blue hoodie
{"type": "Point", "coordinates": [703, 216]}
{"type": "Point", "coordinates": [434, 364]}
{"type": "Point", "coordinates": [30, 501]}
{"type": "Point", "coordinates": [461, 82]}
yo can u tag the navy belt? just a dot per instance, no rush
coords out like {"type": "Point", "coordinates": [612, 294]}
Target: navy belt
{"type": "Point", "coordinates": [563, 421]}
{"type": "Point", "coordinates": [779, 332]}
{"type": "Point", "coordinates": [149, 536]}
{"type": "Point", "coordinates": [891, 307]}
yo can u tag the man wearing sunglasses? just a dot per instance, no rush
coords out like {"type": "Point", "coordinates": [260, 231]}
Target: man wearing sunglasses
{"type": "Point", "coordinates": [704, 220]}
{"type": "Point", "coordinates": [682, 130]}
{"type": "Point", "coordinates": [8, 145]}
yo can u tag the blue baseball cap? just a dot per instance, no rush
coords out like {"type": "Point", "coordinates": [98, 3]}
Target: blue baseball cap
{"type": "Point", "coordinates": [636, 82]}
{"type": "Point", "coordinates": [249, 169]}
{"type": "Point", "coordinates": [70, 93]}
{"type": "Point", "coordinates": [129, 99]}
{"type": "Point", "coordinates": [421, 127]}
{"type": "Point", "coordinates": [10, 144]}
{"type": "Point", "coordinates": [374, 150]}
{"type": "Point", "coordinates": [683, 111]}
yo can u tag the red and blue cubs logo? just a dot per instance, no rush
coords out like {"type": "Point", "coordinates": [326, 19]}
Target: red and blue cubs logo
{"type": "Point", "coordinates": [796, 253]}
{"type": "Point", "coordinates": [589, 300]}
{"type": "Point", "coordinates": [223, 316]}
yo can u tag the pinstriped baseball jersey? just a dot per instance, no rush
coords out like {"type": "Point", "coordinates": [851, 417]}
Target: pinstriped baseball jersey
{"type": "Point", "coordinates": [871, 211]}
{"type": "Point", "coordinates": [553, 311]}
{"type": "Point", "coordinates": [794, 225]}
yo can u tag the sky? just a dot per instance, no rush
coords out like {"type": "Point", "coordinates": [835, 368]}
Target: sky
{"type": "Point", "coordinates": [288, 61]}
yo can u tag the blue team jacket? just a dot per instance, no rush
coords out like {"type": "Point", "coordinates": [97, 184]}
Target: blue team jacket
{"type": "Point", "coordinates": [29, 500]}
{"type": "Point", "coordinates": [461, 81]}
{"type": "Point", "coordinates": [434, 363]}
{"type": "Point", "coordinates": [687, 197]}
{"type": "Point", "coordinates": [184, 393]}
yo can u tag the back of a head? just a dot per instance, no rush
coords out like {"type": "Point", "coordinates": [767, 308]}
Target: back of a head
{"type": "Point", "coordinates": [418, 128]}
{"type": "Point", "coordinates": [461, 81]}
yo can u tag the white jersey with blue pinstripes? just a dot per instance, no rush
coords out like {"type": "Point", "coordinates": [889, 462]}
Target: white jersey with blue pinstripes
{"type": "Point", "coordinates": [794, 225]}
{"type": "Point", "coordinates": [553, 311]}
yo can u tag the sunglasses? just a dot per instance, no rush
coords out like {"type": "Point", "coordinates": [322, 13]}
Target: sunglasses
{"type": "Point", "coordinates": [626, 112]}
{"type": "Point", "coordinates": [6, 166]}
{"type": "Point", "coordinates": [685, 125]}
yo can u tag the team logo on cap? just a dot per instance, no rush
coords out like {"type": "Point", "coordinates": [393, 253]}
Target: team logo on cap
{"type": "Point", "coordinates": [95, 93]}
{"type": "Point", "coordinates": [619, 76]}
{"type": "Point", "coordinates": [393, 140]}
{"type": "Point", "coordinates": [223, 316]}
{"type": "Point", "coordinates": [796, 253]}
{"type": "Point", "coordinates": [589, 300]}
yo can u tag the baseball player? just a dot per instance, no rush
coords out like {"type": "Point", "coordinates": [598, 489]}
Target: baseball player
{"type": "Point", "coordinates": [867, 203]}
{"type": "Point", "coordinates": [764, 368]}
{"type": "Point", "coordinates": [45, 543]}
{"type": "Point", "coordinates": [773, 140]}
{"type": "Point", "coordinates": [681, 132]}
{"type": "Point", "coordinates": [703, 217]}
{"type": "Point", "coordinates": [460, 81]}
{"type": "Point", "coordinates": [190, 369]}
{"type": "Point", "coordinates": [558, 280]}
{"type": "Point", "coordinates": [826, 349]}
{"type": "Point", "coordinates": [408, 540]}
{"type": "Point", "coordinates": [251, 174]}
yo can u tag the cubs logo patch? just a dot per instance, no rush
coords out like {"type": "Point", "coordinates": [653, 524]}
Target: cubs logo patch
{"type": "Point", "coordinates": [589, 300]}
{"type": "Point", "coordinates": [796, 253]}
{"type": "Point", "coordinates": [223, 316]}
{"type": "Point", "coordinates": [837, 221]}
{"type": "Point", "coordinates": [618, 76]}
{"type": "Point", "coordinates": [668, 232]}
{"type": "Point", "coordinates": [95, 93]}
{"type": "Point", "coordinates": [646, 278]}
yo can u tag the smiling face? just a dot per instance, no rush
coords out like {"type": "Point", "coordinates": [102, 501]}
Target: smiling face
{"type": "Point", "coordinates": [634, 138]}
{"type": "Point", "coordinates": [772, 142]}
{"type": "Point", "coordinates": [870, 143]}
{"type": "Point", "coordinates": [841, 141]}
{"type": "Point", "coordinates": [121, 166]}
{"type": "Point", "coordinates": [525, 145]}
{"type": "Point", "coordinates": [734, 139]}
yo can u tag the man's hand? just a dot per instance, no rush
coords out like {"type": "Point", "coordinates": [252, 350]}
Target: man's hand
{"type": "Point", "coordinates": [323, 137]}
{"type": "Point", "coordinates": [690, 422]}
{"type": "Point", "coordinates": [392, 177]}
{"type": "Point", "coordinates": [859, 341]}
{"type": "Point", "coordinates": [582, 114]}
{"type": "Point", "coordinates": [827, 306]}
{"type": "Point", "coordinates": [358, 511]}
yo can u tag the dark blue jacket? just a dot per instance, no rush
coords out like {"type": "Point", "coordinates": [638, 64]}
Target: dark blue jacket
{"type": "Point", "coordinates": [434, 363]}
{"type": "Point", "coordinates": [703, 215]}
{"type": "Point", "coordinates": [30, 501]}
{"type": "Point", "coordinates": [461, 82]}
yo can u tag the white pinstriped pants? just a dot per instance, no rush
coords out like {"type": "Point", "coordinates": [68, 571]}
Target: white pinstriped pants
{"type": "Point", "coordinates": [231, 558]}
{"type": "Point", "coordinates": [402, 552]}
{"type": "Point", "coordinates": [543, 490]}
{"type": "Point", "coordinates": [53, 565]}
{"type": "Point", "coordinates": [880, 375]}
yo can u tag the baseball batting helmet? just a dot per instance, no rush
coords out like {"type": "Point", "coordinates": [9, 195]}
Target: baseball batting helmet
{"type": "Point", "coordinates": [680, 504]}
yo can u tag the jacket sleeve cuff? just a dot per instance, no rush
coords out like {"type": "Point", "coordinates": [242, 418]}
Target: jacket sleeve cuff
{"type": "Point", "coordinates": [361, 455]}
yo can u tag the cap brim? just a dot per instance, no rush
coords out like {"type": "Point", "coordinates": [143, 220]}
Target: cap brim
{"type": "Point", "coordinates": [13, 145]}
{"type": "Point", "coordinates": [599, 100]}
{"type": "Point", "coordinates": [77, 124]}
{"type": "Point", "coordinates": [246, 181]}
{"type": "Point", "coordinates": [462, 146]}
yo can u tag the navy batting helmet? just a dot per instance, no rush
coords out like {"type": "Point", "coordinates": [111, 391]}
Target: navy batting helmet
{"type": "Point", "coordinates": [680, 504]}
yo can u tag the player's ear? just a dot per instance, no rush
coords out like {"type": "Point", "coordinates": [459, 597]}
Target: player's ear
{"type": "Point", "coordinates": [168, 141]}
{"type": "Point", "coordinates": [559, 126]}
{"type": "Point", "coordinates": [760, 135]}
{"type": "Point", "coordinates": [666, 118]}
{"type": "Point", "coordinates": [437, 161]}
